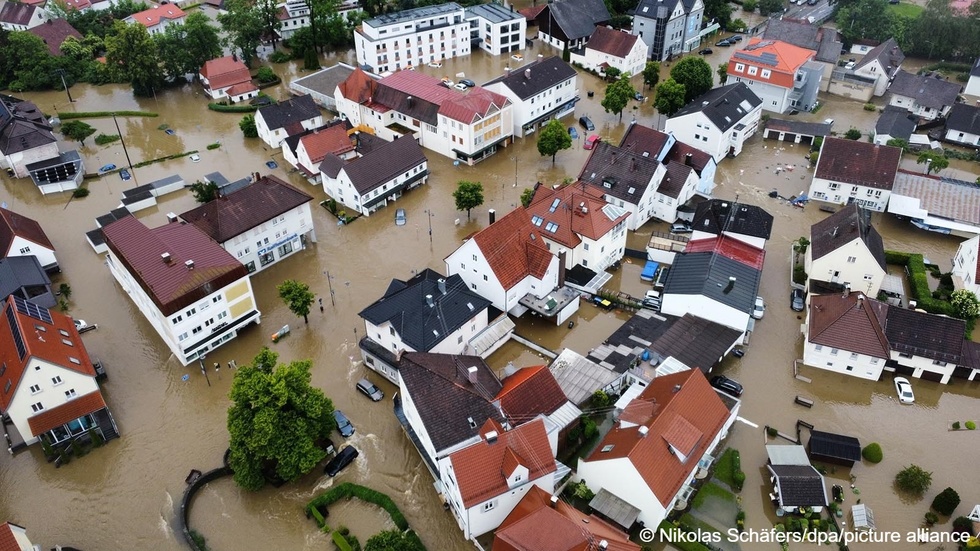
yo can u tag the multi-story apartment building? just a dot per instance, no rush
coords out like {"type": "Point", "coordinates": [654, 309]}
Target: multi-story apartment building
{"type": "Point", "coordinates": [784, 76]}
{"type": "Point", "coordinates": [668, 27]}
{"type": "Point", "coordinates": [410, 38]}
{"type": "Point", "coordinates": [496, 29]}
{"type": "Point", "coordinates": [542, 90]}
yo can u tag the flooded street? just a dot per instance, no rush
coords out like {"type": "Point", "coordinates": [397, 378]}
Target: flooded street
{"type": "Point", "coordinates": [124, 496]}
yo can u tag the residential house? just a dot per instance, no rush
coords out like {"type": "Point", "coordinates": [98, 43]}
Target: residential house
{"type": "Point", "coordinates": [543, 522]}
{"type": "Point", "coordinates": [719, 121]}
{"type": "Point", "coordinates": [632, 181]}
{"type": "Point", "coordinates": [532, 392]}
{"type": "Point", "coordinates": [608, 47]}
{"type": "Point", "coordinates": [412, 38]}
{"type": "Point", "coordinates": [54, 32]}
{"type": "Point", "coordinates": [795, 131]}
{"type": "Point", "coordinates": [466, 126]}
{"type": "Point", "coordinates": [855, 335]}
{"type": "Point", "coordinates": [568, 24]}
{"type": "Point", "coordinates": [966, 265]}
{"type": "Point", "coordinates": [853, 171]}
{"type": "Point", "coordinates": [847, 251]}
{"type": "Point", "coordinates": [668, 27]}
{"type": "Point", "coordinates": [17, 16]}
{"type": "Point", "coordinates": [717, 279]}
{"type": "Point", "coordinates": [25, 135]}
{"type": "Point", "coordinates": [226, 77]}
{"type": "Point", "coordinates": [881, 65]}
{"type": "Point", "coordinates": [294, 15]}
{"type": "Point", "coordinates": [973, 83]}
{"type": "Point", "coordinates": [784, 76]}
{"type": "Point", "coordinates": [894, 123]}
{"type": "Point", "coordinates": [14, 538]}
{"type": "Point", "coordinates": [926, 97]}
{"type": "Point", "coordinates": [496, 29]}
{"type": "Point", "coordinates": [666, 148]}
{"type": "Point", "coordinates": [23, 236]}
{"type": "Point", "coordinates": [748, 223]}
{"type": "Point", "coordinates": [796, 483]}
{"type": "Point", "coordinates": [963, 125]}
{"type": "Point", "coordinates": [825, 41]}
{"type": "Point", "coordinates": [278, 121]}
{"type": "Point", "coordinates": [49, 393]}
{"type": "Point", "coordinates": [943, 205]}
{"type": "Point", "coordinates": [542, 90]}
{"type": "Point", "coordinates": [305, 151]}
{"type": "Point", "coordinates": [579, 223]}
{"type": "Point", "coordinates": [157, 19]}
{"type": "Point", "coordinates": [259, 224]}
{"type": "Point", "coordinates": [322, 85]}
{"type": "Point", "coordinates": [426, 313]}
{"type": "Point", "coordinates": [647, 463]}
{"type": "Point", "coordinates": [80, 5]}
{"type": "Point", "coordinates": [484, 482]}
{"type": "Point", "coordinates": [22, 276]}
{"type": "Point", "coordinates": [195, 294]}
{"type": "Point", "coordinates": [379, 172]}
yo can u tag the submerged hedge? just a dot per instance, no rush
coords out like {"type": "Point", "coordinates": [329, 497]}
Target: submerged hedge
{"type": "Point", "coordinates": [347, 490]}
{"type": "Point", "coordinates": [99, 114]}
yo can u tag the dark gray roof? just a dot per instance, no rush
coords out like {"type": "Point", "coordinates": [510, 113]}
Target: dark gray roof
{"type": "Point", "coordinates": [844, 226]}
{"type": "Point", "coordinates": [615, 171]}
{"type": "Point", "coordinates": [964, 118]}
{"type": "Point", "coordinates": [821, 40]}
{"type": "Point", "coordinates": [718, 215]}
{"type": "Point", "coordinates": [578, 18]}
{"type": "Point", "coordinates": [896, 122]}
{"type": "Point", "coordinates": [799, 486]}
{"type": "Point", "coordinates": [708, 274]}
{"type": "Point", "coordinates": [445, 398]}
{"type": "Point", "coordinates": [934, 337]}
{"type": "Point", "coordinates": [405, 16]}
{"type": "Point", "coordinates": [640, 331]}
{"type": "Point", "coordinates": [22, 125]}
{"type": "Point", "coordinates": [888, 54]}
{"type": "Point", "coordinates": [697, 342]}
{"type": "Point", "coordinates": [975, 71]}
{"type": "Point", "coordinates": [724, 106]}
{"type": "Point", "coordinates": [293, 110]}
{"type": "Point", "coordinates": [926, 91]}
{"type": "Point", "coordinates": [384, 163]}
{"type": "Point", "coordinates": [544, 74]}
{"type": "Point", "coordinates": [419, 325]}
{"type": "Point", "coordinates": [834, 446]}
{"type": "Point", "coordinates": [217, 178]}
{"type": "Point", "coordinates": [66, 166]}
{"type": "Point", "coordinates": [17, 272]}
{"type": "Point", "coordinates": [654, 9]}
{"type": "Point", "coordinates": [676, 175]}
{"type": "Point", "coordinates": [799, 127]}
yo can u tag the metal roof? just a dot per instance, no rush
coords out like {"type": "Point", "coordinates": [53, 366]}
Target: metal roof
{"type": "Point", "coordinates": [717, 277]}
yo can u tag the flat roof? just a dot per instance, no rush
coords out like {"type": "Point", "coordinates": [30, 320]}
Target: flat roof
{"type": "Point", "coordinates": [494, 13]}
{"type": "Point", "coordinates": [405, 16]}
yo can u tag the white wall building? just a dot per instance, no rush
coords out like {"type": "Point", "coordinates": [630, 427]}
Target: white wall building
{"type": "Point", "coordinates": [973, 84]}
{"type": "Point", "coordinates": [498, 30]}
{"type": "Point", "coordinates": [748, 223]}
{"type": "Point", "coordinates": [845, 249]}
{"type": "Point", "coordinates": [411, 38]}
{"type": "Point", "coordinates": [853, 171]}
{"type": "Point", "coordinates": [611, 48]}
{"type": "Point", "coordinates": [963, 125]}
{"type": "Point", "coordinates": [966, 265]}
{"type": "Point", "coordinates": [25, 135]}
{"type": "Point", "coordinates": [926, 97]}
{"type": "Point", "coordinates": [156, 20]}
{"type": "Point", "coordinates": [782, 75]}
{"type": "Point", "coordinates": [17, 16]}
{"type": "Point", "coordinates": [539, 91]}
{"type": "Point", "coordinates": [295, 115]}
{"type": "Point", "coordinates": [630, 180]}
{"type": "Point", "coordinates": [23, 236]}
{"type": "Point", "coordinates": [720, 121]}
{"type": "Point", "coordinates": [881, 64]}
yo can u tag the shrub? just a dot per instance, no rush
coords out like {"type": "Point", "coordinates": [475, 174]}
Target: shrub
{"type": "Point", "coordinates": [100, 114]}
{"type": "Point", "coordinates": [347, 490]}
{"type": "Point", "coordinates": [280, 56]}
{"type": "Point", "coordinates": [962, 524]}
{"type": "Point", "coordinates": [199, 543]}
{"type": "Point", "coordinates": [772, 431]}
{"type": "Point", "coordinates": [80, 192]}
{"type": "Point", "coordinates": [946, 502]}
{"type": "Point", "coordinates": [215, 145]}
{"type": "Point", "coordinates": [970, 425]}
{"type": "Point", "coordinates": [589, 428]}
{"type": "Point", "coordinates": [869, 107]}
{"type": "Point", "coordinates": [931, 518]}
{"type": "Point", "coordinates": [340, 541]}
{"type": "Point", "coordinates": [739, 479]}
{"type": "Point", "coordinates": [582, 491]}
{"type": "Point", "coordinates": [749, 5]}
{"type": "Point", "coordinates": [914, 479]}
{"type": "Point", "coordinates": [956, 425]}
{"type": "Point", "coordinates": [872, 452]}
{"type": "Point", "coordinates": [852, 134]}
{"type": "Point", "coordinates": [316, 515]}
{"type": "Point", "coordinates": [600, 399]}
{"type": "Point", "coordinates": [224, 108]}
{"type": "Point", "coordinates": [799, 277]}
{"type": "Point", "coordinates": [265, 75]}
{"type": "Point", "coordinates": [103, 139]}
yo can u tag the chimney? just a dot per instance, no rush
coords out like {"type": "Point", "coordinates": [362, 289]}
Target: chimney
{"type": "Point", "coordinates": [731, 279]}
{"type": "Point", "coordinates": [471, 374]}
{"type": "Point", "coordinates": [603, 545]}
{"type": "Point", "coordinates": [410, 100]}
{"type": "Point", "coordinates": [527, 74]}
{"type": "Point", "coordinates": [835, 231]}
{"type": "Point", "coordinates": [643, 430]}
{"type": "Point", "coordinates": [166, 258]}
{"type": "Point", "coordinates": [561, 268]}
{"type": "Point", "coordinates": [189, 264]}
{"type": "Point", "coordinates": [687, 159]}
{"type": "Point", "coordinates": [491, 437]}
{"type": "Point", "coordinates": [612, 161]}
{"type": "Point", "coordinates": [442, 285]}
{"type": "Point", "coordinates": [632, 164]}
{"type": "Point", "coordinates": [428, 300]}
{"type": "Point", "coordinates": [677, 388]}
{"type": "Point", "coordinates": [553, 501]}
{"type": "Point", "coordinates": [171, 218]}
{"type": "Point", "coordinates": [493, 216]}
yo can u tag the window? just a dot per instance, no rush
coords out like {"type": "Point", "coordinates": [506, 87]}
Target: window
{"type": "Point", "coordinates": [818, 348]}
{"type": "Point", "coordinates": [25, 250]}
{"type": "Point", "coordinates": [833, 351]}
{"type": "Point", "coordinates": [940, 363]}
{"type": "Point", "coordinates": [35, 389]}
{"type": "Point", "coordinates": [37, 407]}
{"type": "Point", "coordinates": [833, 186]}
{"type": "Point", "coordinates": [485, 277]}
{"type": "Point", "coordinates": [851, 259]}
{"type": "Point", "coordinates": [766, 73]}
{"type": "Point", "coordinates": [250, 266]}
{"type": "Point", "coordinates": [285, 249]}
{"type": "Point", "coordinates": [459, 340]}
{"type": "Point", "coordinates": [56, 380]}
{"type": "Point", "coordinates": [70, 393]}
{"type": "Point", "coordinates": [753, 70]}
{"type": "Point", "coordinates": [177, 319]}
{"type": "Point", "coordinates": [867, 277]}
{"type": "Point", "coordinates": [537, 220]}
{"type": "Point", "coordinates": [586, 246]}
{"type": "Point", "coordinates": [854, 356]}
{"type": "Point", "coordinates": [849, 368]}
{"type": "Point", "coordinates": [474, 258]}
{"type": "Point", "coordinates": [488, 506]}
{"type": "Point", "coordinates": [196, 330]}
{"type": "Point", "coordinates": [182, 336]}
{"type": "Point", "coordinates": [739, 67]}
{"type": "Point", "coordinates": [874, 361]}
{"type": "Point", "coordinates": [267, 258]}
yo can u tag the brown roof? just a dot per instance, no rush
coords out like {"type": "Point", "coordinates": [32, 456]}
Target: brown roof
{"type": "Point", "coordinates": [529, 392]}
{"type": "Point", "coordinates": [612, 42]}
{"type": "Point", "coordinates": [644, 140]}
{"type": "Point", "coordinates": [224, 72]}
{"type": "Point", "coordinates": [514, 249]}
{"type": "Point", "coordinates": [54, 32]}
{"type": "Point", "coordinates": [17, 225]}
{"type": "Point", "coordinates": [935, 337]}
{"type": "Point", "coordinates": [535, 525]}
{"type": "Point", "coordinates": [358, 87]}
{"type": "Point", "coordinates": [573, 221]}
{"type": "Point", "coordinates": [69, 411]}
{"type": "Point", "coordinates": [172, 285]}
{"type": "Point", "coordinates": [698, 159]}
{"type": "Point", "coordinates": [852, 322]}
{"type": "Point", "coordinates": [674, 179]}
{"type": "Point", "coordinates": [242, 88]}
{"type": "Point", "coordinates": [7, 541]}
{"type": "Point", "coordinates": [331, 140]}
{"type": "Point", "coordinates": [239, 211]}
{"type": "Point", "coordinates": [482, 469]}
{"type": "Point", "coordinates": [532, 13]}
{"type": "Point", "coordinates": [856, 162]}
{"type": "Point", "coordinates": [849, 223]}
{"type": "Point", "coordinates": [689, 415]}
{"type": "Point", "coordinates": [17, 13]}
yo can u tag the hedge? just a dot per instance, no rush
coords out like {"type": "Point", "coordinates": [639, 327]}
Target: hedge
{"type": "Point", "coordinates": [919, 282]}
{"type": "Point", "coordinates": [347, 490]}
{"type": "Point", "coordinates": [872, 452]}
{"type": "Point", "coordinates": [340, 541]}
{"type": "Point", "coordinates": [167, 158]}
{"type": "Point", "coordinates": [221, 108]}
{"type": "Point", "coordinates": [98, 114]}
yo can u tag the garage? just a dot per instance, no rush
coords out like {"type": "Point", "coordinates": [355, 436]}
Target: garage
{"type": "Point", "coordinates": [932, 376]}
{"type": "Point", "coordinates": [795, 132]}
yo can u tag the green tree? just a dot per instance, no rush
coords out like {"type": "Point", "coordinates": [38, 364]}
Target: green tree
{"type": "Point", "coordinates": [77, 130]}
{"type": "Point", "coordinates": [297, 297]}
{"type": "Point", "coordinates": [935, 162]}
{"type": "Point", "coordinates": [722, 72]}
{"type": "Point", "coordinates": [767, 7]}
{"type": "Point", "coordinates": [612, 73]}
{"type": "Point", "coordinates": [869, 19]}
{"type": "Point", "coordinates": [946, 502]}
{"type": "Point", "coordinates": [719, 10]}
{"type": "Point", "coordinates": [185, 48]}
{"type": "Point", "coordinates": [737, 26]}
{"type": "Point", "coordinates": [965, 304]}
{"type": "Point", "coordinates": [899, 143]}
{"type": "Point", "coordinates": [268, 11]}
{"type": "Point", "coordinates": [394, 540]}
{"type": "Point", "coordinates": [277, 421]}
{"type": "Point", "coordinates": [30, 65]}
{"type": "Point", "coordinates": [651, 73]}
{"type": "Point", "coordinates": [468, 196]}
{"type": "Point", "coordinates": [204, 191]}
{"type": "Point", "coordinates": [526, 197]}
{"type": "Point", "coordinates": [670, 97]}
{"type": "Point", "coordinates": [247, 124]}
{"type": "Point", "coordinates": [552, 139]}
{"type": "Point", "coordinates": [852, 134]}
{"type": "Point", "coordinates": [914, 479]}
{"type": "Point", "coordinates": [242, 21]}
{"type": "Point", "coordinates": [265, 75]}
{"type": "Point", "coordinates": [749, 5]}
{"type": "Point", "coordinates": [963, 524]}
{"type": "Point", "coordinates": [696, 76]}
{"type": "Point", "coordinates": [618, 95]}
{"type": "Point", "coordinates": [132, 56]}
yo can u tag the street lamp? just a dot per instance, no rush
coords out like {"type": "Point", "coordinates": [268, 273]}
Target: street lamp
{"type": "Point", "coordinates": [928, 166]}
{"type": "Point", "coordinates": [429, 214]}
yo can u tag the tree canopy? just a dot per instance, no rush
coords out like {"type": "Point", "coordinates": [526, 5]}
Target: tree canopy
{"type": "Point", "coordinates": [242, 21]}
{"type": "Point", "coordinates": [526, 197]}
{"type": "Point", "coordinates": [131, 55]}
{"type": "Point", "coordinates": [719, 10]}
{"type": "Point", "coordinates": [77, 130]}
{"type": "Point", "coordinates": [695, 75]}
{"type": "Point", "coordinates": [277, 422]}
{"type": "Point", "coordinates": [468, 196]}
{"type": "Point", "coordinates": [965, 304]}
{"type": "Point", "coordinates": [618, 95]}
{"type": "Point", "coordinates": [914, 479]}
{"type": "Point", "coordinates": [552, 139]}
{"type": "Point", "coordinates": [651, 73]}
{"type": "Point", "coordinates": [247, 124]}
{"type": "Point", "coordinates": [935, 162]}
{"type": "Point", "coordinates": [394, 540]}
{"type": "Point", "coordinates": [670, 97]}
{"type": "Point", "coordinates": [297, 297]}
{"type": "Point", "coordinates": [185, 48]}
{"type": "Point", "coordinates": [204, 191]}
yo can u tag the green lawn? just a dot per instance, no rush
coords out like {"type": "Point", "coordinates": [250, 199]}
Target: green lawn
{"type": "Point", "coordinates": [711, 489]}
{"type": "Point", "coordinates": [723, 467]}
{"type": "Point", "coordinates": [907, 9]}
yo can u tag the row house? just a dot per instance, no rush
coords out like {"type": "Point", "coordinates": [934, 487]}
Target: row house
{"type": "Point", "coordinates": [542, 90]}
{"type": "Point", "coordinates": [785, 77]}
{"type": "Point", "coordinates": [412, 38]}
{"type": "Point", "coordinates": [719, 121]}
{"type": "Point", "coordinates": [307, 150]}
{"type": "Point", "coordinates": [853, 171]}
{"type": "Point", "coordinates": [608, 47]}
{"type": "Point", "coordinates": [924, 96]}
{"type": "Point", "coordinates": [496, 29]}
{"type": "Point", "coordinates": [664, 147]}
{"type": "Point", "coordinates": [290, 117]}
{"type": "Point", "coordinates": [668, 27]}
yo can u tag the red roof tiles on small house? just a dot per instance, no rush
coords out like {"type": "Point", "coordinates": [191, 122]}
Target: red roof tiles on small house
{"type": "Point", "coordinates": [780, 60]}
{"type": "Point", "coordinates": [78, 4]}
{"type": "Point", "coordinates": [69, 411]}
{"type": "Point", "coordinates": [242, 88]}
{"type": "Point", "coordinates": [729, 247]}
{"type": "Point", "coordinates": [333, 140]}
{"type": "Point", "coordinates": [17, 225]}
{"type": "Point", "coordinates": [530, 391]}
{"type": "Point", "coordinates": [224, 72]}
{"type": "Point", "coordinates": [358, 87]}
{"type": "Point", "coordinates": [577, 211]}
{"type": "Point", "coordinates": [153, 16]}
{"type": "Point", "coordinates": [8, 542]}
{"type": "Point", "coordinates": [514, 249]}
{"type": "Point", "coordinates": [612, 42]}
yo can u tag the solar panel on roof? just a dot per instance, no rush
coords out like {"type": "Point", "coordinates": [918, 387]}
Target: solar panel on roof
{"type": "Point", "coordinates": [28, 308]}
{"type": "Point", "coordinates": [15, 331]}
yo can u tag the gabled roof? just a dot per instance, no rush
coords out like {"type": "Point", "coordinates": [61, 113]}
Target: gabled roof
{"type": "Point", "coordinates": [425, 97]}
{"type": "Point", "coordinates": [529, 392]}
{"type": "Point", "coordinates": [852, 322]}
{"type": "Point", "coordinates": [888, 54]}
{"type": "Point", "coordinates": [514, 249]}
{"type": "Point", "coordinates": [381, 165]}
{"type": "Point", "coordinates": [689, 414]}
{"type": "Point", "coordinates": [224, 72]}
{"type": "Point", "coordinates": [716, 216]}
{"type": "Point", "coordinates": [612, 42]}
{"type": "Point", "coordinates": [932, 92]}
{"type": "Point", "coordinates": [331, 140]}
{"type": "Point", "coordinates": [964, 117]}
{"type": "Point", "coordinates": [291, 111]}
{"type": "Point", "coordinates": [856, 162]}
{"type": "Point", "coordinates": [805, 35]}
{"type": "Point", "coordinates": [938, 338]}
{"type": "Point", "coordinates": [79, 5]}
{"type": "Point", "coordinates": [710, 274]}
{"type": "Point", "coordinates": [683, 153]}
{"type": "Point", "coordinates": [724, 106]}
{"type": "Point", "coordinates": [844, 226]}
{"type": "Point", "coordinates": [947, 198]}
{"type": "Point", "coordinates": [66, 413]}
{"type": "Point", "coordinates": [153, 16]}
{"type": "Point", "coordinates": [782, 58]}
{"type": "Point", "coordinates": [232, 215]}
{"type": "Point", "coordinates": [627, 173]}
{"type": "Point", "coordinates": [358, 86]}
{"type": "Point", "coordinates": [419, 325]}
{"type": "Point", "coordinates": [17, 225]}
{"type": "Point", "coordinates": [54, 32]}
{"type": "Point", "coordinates": [31, 331]}
{"type": "Point", "coordinates": [536, 77]}
{"type": "Point", "coordinates": [242, 88]}
{"type": "Point", "coordinates": [836, 446]}
{"type": "Point", "coordinates": [172, 285]}
{"type": "Point", "coordinates": [644, 141]}
{"type": "Point", "coordinates": [696, 342]}
{"type": "Point", "coordinates": [22, 125]}
{"type": "Point", "coordinates": [577, 211]}
{"type": "Point", "coordinates": [21, 271]}
{"type": "Point", "coordinates": [799, 486]}
{"type": "Point", "coordinates": [629, 339]}
{"type": "Point", "coordinates": [578, 18]}
{"type": "Point", "coordinates": [674, 179]}
{"type": "Point", "coordinates": [897, 122]}
{"type": "Point", "coordinates": [450, 407]}
{"type": "Point", "coordinates": [17, 13]}
{"type": "Point", "coordinates": [8, 540]}
{"type": "Point", "coordinates": [650, 9]}
{"type": "Point", "coordinates": [729, 247]}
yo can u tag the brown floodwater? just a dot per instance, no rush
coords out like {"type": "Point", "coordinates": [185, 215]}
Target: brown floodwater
{"type": "Point", "coordinates": [124, 495]}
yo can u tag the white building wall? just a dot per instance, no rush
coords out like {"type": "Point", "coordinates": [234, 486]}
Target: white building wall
{"type": "Point", "coordinates": [525, 111]}
{"type": "Point", "coordinates": [965, 265]}
{"type": "Point", "coordinates": [704, 307]}
{"type": "Point", "coordinates": [275, 137]}
{"type": "Point", "coordinates": [921, 111]}
{"type": "Point", "coordinates": [469, 263]}
{"type": "Point", "coordinates": [51, 394]}
{"type": "Point", "coordinates": [23, 247]}
{"type": "Point", "coordinates": [877, 72]}
{"type": "Point", "coordinates": [774, 98]}
{"type": "Point", "coordinates": [964, 138]}
{"type": "Point", "coordinates": [503, 37]}
{"type": "Point", "coordinates": [443, 36]}
{"type": "Point", "coordinates": [923, 365]}
{"type": "Point", "coordinates": [620, 477]}
{"type": "Point", "coordinates": [415, 421]}
{"type": "Point", "coordinates": [18, 161]}
{"type": "Point", "coordinates": [633, 63]}
{"type": "Point", "coordinates": [279, 237]}
{"type": "Point", "coordinates": [972, 86]}
{"type": "Point", "coordinates": [840, 193]}
{"type": "Point", "coordinates": [842, 361]}
{"type": "Point", "coordinates": [850, 264]}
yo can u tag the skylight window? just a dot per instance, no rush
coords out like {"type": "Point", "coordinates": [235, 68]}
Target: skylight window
{"type": "Point", "coordinates": [554, 205]}
{"type": "Point", "coordinates": [537, 220]}
{"type": "Point", "coordinates": [551, 227]}
{"type": "Point", "coordinates": [607, 448]}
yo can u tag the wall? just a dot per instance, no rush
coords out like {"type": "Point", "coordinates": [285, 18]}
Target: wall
{"type": "Point", "coordinates": [477, 273]}
{"type": "Point", "coordinates": [855, 273]}
{"type": "Point", "coordinates": [620, 477]}
{"type": "Point", "coordinates": [842, 361]}
{"type": "Point", "coordinates": [51, 395]}
{"type": "Point", "coordinates": [868, 197]}
{"type": "Point", "coordinates": [22, 247]}
{"type": "Point", "coordinates": [292, 224]}
{"type": "Point", "coordinates": [702, 306]}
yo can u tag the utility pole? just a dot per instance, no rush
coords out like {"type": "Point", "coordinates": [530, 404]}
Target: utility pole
{"type": "Point", "coordinates": [204, 370]}
{"type": "Point", "coordinates": [330, 285]}
{"type": "Point", "coordinates": [62, 73]}
{"type": "Point", "coordinates": [429, 212]}
{"type": "Point", "coordinates": [125, 150]}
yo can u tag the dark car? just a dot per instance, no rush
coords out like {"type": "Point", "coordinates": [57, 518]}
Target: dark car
{"type": "Point", "coordinates": [343, 423]}
{"type": "Point", "coordinates": [731, 386]}
{"type": "Point", "coordinates": [572, 132]}
{"type": "Point", "coordinates": [586, 123]}
{"type": "Point", "coordinates": [370, 390]}
{"type": "Point", "coordinates": [706, 51]}
{"type": "Point", "coordinates": [341, 460]}
{"type": "Point", "coordinates": [736, 38]}
{"type": "Point", "coordinates": [638, 96]}
{"type": "Point", "coordinates": [124, 174]}
{"type": "Point", "coordinates": [796, 301]}
{"type": "Point", "coordinates": [724, 43]}
{"type": "Point", "coordinates": [467, 82]}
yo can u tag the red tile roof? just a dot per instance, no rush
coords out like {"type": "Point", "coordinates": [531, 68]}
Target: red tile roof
{"type": "Point", "coordinates": [858, 163]}
{"type": "Point", "coordinates": [482, 469]}
{"type": "Point", "coordinates": [242, 88]}
{"type": "Point", "coordinates": [224, 72]}
{"type": "Point", "coordinates": [789, 59]}
{"type": "Point", "coordinates": [67, 412]}
{"type": "Point", "coordinates": [7, 540]}
{"type": "Point", "coordinates": [573, 221]}
{"type": "Point", "coordinates": [171, 286]}
{"type": "Point", "coordinates": [612, 42]}
{"type": "Point", "coordinates": [465, 107]}
{"type": "Point", "coordinates": [333, 140]}
{"type": "Point", "coordinates": [41, 340]}
{"type": "Point", "coordinates": [529, 392]}
{"type": "Point", "coordinates": [477, 103]}
{"type": "Point", "coordinates": [532, 13]}
{"type": "Point", "coordinates": [17, 225]}
{"type": "Point", "coordinates": [729, 247]}
{"type": "Point", "coordinates": [691, 413]}
{"type": "Point", "coordinates": [358, 87]}
{"type": "Point", "coordinates": [153, 16]}
{"type": "Point", "coordinates": [54, 32]}
{"type": "Point", "coordinates": [643, 140]}
{"type": "Point", "coordinates": [853, 323]}
{"type": "Point", "coordinates": [78, 4]}
{"type": "Point", "coordinates": [511, 251]}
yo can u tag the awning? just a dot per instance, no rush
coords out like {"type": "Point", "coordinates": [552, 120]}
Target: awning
{"type": "Point", "coordinates": [614, 508]}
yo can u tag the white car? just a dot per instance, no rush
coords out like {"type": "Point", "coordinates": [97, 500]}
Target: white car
{"type": "Point", "coordinates": [759, 309]}
{"type": "Point", "coordinates": [904, 390]}
{"type": "Point", "coordinates": [195, 158]}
